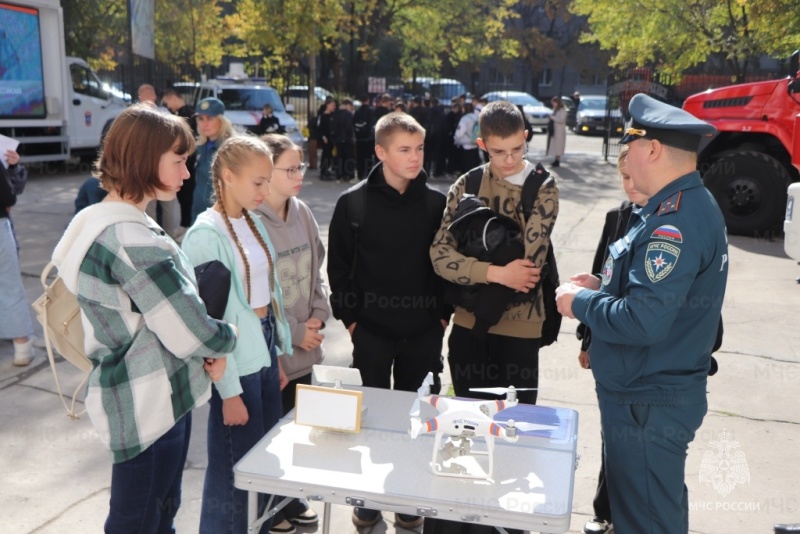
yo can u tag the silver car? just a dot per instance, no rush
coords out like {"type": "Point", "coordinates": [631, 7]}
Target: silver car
{"type": "Point", "coordinates": [537, 113]}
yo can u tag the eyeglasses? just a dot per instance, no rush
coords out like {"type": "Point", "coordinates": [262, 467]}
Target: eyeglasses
{"type": "Point", "coordinates": [292, 172]}
{"type": "Point", "coordinates": [514, 154]}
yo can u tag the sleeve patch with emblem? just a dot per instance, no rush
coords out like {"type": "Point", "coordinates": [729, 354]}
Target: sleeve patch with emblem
{"type": "Point", "coordinates": [660, 260]}
{"type": "Point", "coordinates": [668, 233]}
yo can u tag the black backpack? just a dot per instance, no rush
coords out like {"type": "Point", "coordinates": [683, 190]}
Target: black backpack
{"type": "Point", "coordinates": [549, 277]}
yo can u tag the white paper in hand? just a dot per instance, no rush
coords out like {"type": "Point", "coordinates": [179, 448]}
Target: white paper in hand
{"type": "Point", "coordinates": [7, 143]}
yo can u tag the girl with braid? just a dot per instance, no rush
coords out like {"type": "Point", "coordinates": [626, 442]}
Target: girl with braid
{"type": "Point", "coordinates": [246, 402]}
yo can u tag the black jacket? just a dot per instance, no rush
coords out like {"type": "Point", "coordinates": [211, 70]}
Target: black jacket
{"type": "Point", "coordinates": [342, 126]}
{"type": "Point", "coordinates": [364, 123]}
{"type": "Point", "coordinates": [394, 291]}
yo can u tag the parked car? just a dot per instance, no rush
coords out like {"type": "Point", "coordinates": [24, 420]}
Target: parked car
{"type": "Point", "coordinates": [538, 114]}
{"type": "Point", "coordinates": [592, 114]}
{"type": "Point", "coordinates": [244, 101]}
{"type": "Point", "coordinates": [297, 97]}
{"type": "Point", "coordinates": [442, 88]}
{"type": "Point", "coordinates": [572, 110]}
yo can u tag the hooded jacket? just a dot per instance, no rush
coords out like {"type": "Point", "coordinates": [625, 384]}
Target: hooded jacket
{"type": "Point", "coordinates": [298, 263]}
{"type": "Point", "coordinates": [147, 331]}
{"type": "Point", "coordinates": [394, 291]}
{"type": "Point", "coordinates": [206, 241]}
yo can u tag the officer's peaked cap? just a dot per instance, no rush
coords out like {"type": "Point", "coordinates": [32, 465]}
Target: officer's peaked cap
{"type": "Point", "coordinates": [653, 119]}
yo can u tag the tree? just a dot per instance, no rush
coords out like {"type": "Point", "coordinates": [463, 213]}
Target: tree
{"type": "Point", "coordinates": [676, 35]}
{"type": "Point", "coordinates": [96, 30]}
{"type": "Point", "coordinates": [190, 32]}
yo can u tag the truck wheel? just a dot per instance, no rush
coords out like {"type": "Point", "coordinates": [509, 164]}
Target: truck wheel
{"type": "Point", "coordinates": [750, 188]}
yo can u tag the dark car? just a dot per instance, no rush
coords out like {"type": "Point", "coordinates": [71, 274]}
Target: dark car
{"type": "Point", "coordinates": [592, 114]}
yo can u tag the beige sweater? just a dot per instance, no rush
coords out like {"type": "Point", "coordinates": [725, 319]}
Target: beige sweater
{"type": "Point", "coordinates": [522, 320]}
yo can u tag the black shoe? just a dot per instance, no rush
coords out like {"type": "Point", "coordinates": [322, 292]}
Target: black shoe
{"type": "Point", "coordinates": [556, 163]}
{"type": "Point", "coordinates": [787, 529]}
{"type": "Point", "coordinates": [408, 522]}
{"type": "Point", "coordinates": [364, 517]}
{"type": "Point", "coordinates": [309, 517]}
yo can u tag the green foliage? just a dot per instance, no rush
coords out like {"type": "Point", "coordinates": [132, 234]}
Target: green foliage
{"type": "Point", "coordinates": [676, 35]}
{"type": "Point", "coordinates": [190, 32]}
{"type": "Point", "coordinates": [95, 30]}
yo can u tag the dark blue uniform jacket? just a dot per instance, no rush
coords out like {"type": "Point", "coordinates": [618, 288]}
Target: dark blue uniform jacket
{"type": "Point", "coordinates": [654, 319]}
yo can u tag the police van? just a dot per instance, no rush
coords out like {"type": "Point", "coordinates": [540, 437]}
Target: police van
{"type": "Point", "coordinates": [244, 100]}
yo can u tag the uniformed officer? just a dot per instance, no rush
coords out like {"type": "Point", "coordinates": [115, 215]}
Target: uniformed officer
{"type": "Point", "coordinates": [653, 312]}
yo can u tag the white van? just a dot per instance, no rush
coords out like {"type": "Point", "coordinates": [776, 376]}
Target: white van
{"type": "Point", "coordinates": [244, 101]}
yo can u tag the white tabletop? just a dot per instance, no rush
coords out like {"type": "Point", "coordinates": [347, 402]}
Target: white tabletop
{"type": "Point", "coordinates": [531, 487]}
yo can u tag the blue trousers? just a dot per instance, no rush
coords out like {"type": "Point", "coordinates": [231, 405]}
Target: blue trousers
{"type": "Point", "coordinates": [15, 316]}
{"type": "Point", "coordinates": [645, 460]}
{"type": "Point", "coordinates": [146, 490]}
{"type": "Point", "coordinates": [224, 509]}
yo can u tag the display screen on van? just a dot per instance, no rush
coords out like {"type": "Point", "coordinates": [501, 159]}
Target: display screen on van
{"type": "Point", "coordinates": [21, 79]}
{"type": "Point", "coordinates": [250, 99]}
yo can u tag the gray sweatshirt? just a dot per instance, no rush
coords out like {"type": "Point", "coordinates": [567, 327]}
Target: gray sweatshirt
{"type": "Point", "coordinates": [300, 253]}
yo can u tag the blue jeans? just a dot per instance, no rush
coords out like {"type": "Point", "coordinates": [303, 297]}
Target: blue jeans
{"type": "Point", "coordinates": [224, 509]}
{"type": "Point", "coordinates": [146, 490]}
{"type": "Point", "coordinates": [15, 316]}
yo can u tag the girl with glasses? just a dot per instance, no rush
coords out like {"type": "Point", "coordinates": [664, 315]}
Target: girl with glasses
{"type": "Point", "coordinates": [295, 234]}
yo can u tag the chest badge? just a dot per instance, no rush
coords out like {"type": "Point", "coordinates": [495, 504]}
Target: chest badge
{"type": "Point", "coordinates": [608, 271]}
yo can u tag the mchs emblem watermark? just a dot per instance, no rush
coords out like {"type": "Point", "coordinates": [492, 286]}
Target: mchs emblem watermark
{"type": "Point", "coordinates": [724, 466]}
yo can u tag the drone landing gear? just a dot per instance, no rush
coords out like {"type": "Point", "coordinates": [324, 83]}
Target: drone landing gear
{"type": "Point", "coordinates": [455, 457]}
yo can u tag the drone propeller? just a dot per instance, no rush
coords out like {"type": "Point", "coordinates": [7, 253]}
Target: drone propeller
{"type": "Point", "coordinates": [500, 391]}
{"type": "Point", "coordinates": [414, 409]}
{"type": "Point", "coordinates": [416, 426]}
{"type": "Point", "coordinates": [423, 391]}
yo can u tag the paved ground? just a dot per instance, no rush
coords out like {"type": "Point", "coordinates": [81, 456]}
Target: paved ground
{"type": "Point", "coordinates": [56, 475]}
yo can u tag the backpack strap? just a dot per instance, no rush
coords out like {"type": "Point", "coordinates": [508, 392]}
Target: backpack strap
{"type": "Point", "coordinates": [530, 189]}
{"type": "Point", "coordinates": [472, 185]}
{"type": "Point", "coordinates": [356, 211]}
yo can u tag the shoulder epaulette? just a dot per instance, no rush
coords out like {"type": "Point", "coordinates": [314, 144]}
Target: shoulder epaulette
{"type": "Point", "coordinates": [670, 205]}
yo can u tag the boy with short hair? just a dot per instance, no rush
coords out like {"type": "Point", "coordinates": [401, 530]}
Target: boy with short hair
{"type": "Point", "coordinates": [509, 354]}
{"type": "Point", "coordinates": [382, 282]}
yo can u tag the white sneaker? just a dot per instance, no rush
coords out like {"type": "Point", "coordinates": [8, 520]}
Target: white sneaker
{"type": "Point", "coordinates": [597, 526]}
{"type": "Point", "coordinates": [23, 352]}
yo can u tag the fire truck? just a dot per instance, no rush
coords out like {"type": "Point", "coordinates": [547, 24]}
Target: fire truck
{"type": "Point", "coordinates": [755, 155]}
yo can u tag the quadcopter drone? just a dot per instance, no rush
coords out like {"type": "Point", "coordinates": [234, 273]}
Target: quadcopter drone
{"type": "Point", "coordinates": [460, 422]}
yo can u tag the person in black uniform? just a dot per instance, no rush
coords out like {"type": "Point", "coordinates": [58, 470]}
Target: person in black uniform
{"type": "Point", "coordinates": [325, 138]}
{"type": "Point", "coordinates": [364, 130]}
{"type": "Point", "coordinates": [654, 313]}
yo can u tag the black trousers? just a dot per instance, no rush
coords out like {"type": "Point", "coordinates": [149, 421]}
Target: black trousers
{"type": "Point", "coordinates": [344, 163]}
{"type": "Point", "coordinates": [407, 360]}
{"type": "Point", "coordinates": [365, 150]}
{"type": "Point", "coordinates": [493, 361]}
{"type": "Point", "coordinates": [326, 166]}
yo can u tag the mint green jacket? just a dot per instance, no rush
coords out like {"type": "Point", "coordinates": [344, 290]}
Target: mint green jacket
{"type": "Point", "coordinates": [205, 241]}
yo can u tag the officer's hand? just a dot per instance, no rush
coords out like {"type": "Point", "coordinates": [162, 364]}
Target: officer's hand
{"type": "Point", "coordinates": [12, 157]}
{"type": "Point", "coordinates": [583, 359]}
{"type": "Point", "coordinates": [589, 281]}
{"type": "Point", "coordinates": [520, 275]}
{"type": "Point", "coordinates": [565, 294]}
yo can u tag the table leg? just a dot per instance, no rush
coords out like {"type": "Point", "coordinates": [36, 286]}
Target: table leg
{"type": "Point", "coordinates": [326, 518]}
{"type": "Point", "coordinates": [252, 509]}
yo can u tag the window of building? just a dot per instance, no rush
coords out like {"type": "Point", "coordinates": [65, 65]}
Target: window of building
{"type": "Point", "coordinates": [546, 77]}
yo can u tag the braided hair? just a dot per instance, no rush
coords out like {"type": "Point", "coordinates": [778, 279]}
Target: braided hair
{"type": "Point", "coordinates": [232, 154]}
